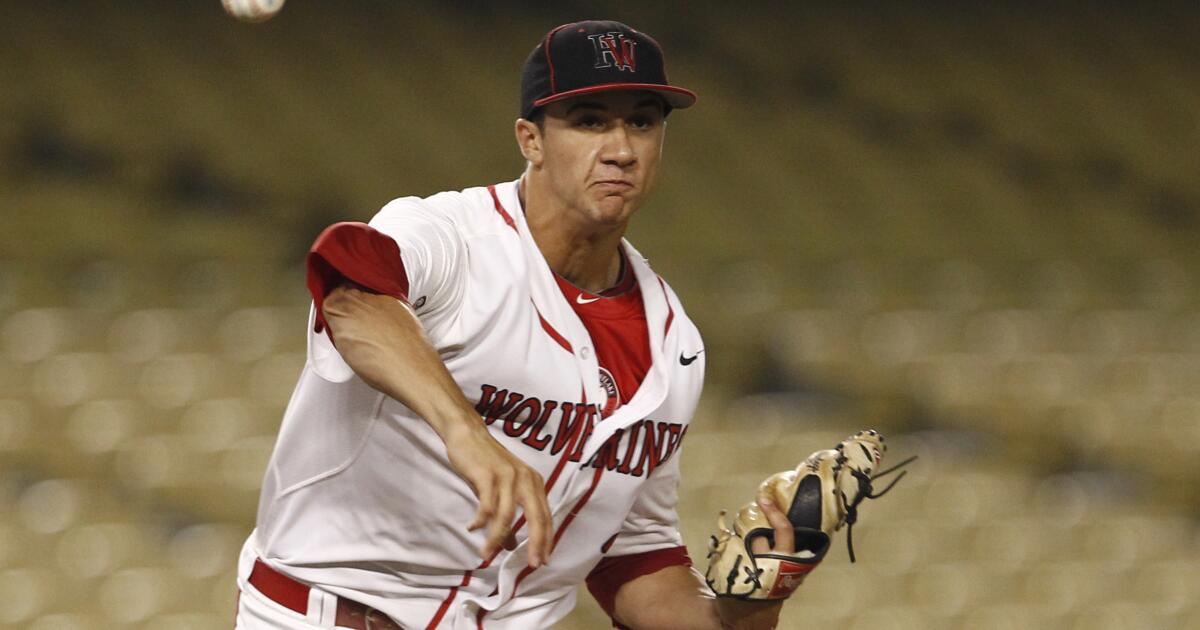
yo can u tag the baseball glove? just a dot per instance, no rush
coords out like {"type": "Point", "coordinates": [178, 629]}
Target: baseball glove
{"type": "Point", "coordinates": [819, 497]}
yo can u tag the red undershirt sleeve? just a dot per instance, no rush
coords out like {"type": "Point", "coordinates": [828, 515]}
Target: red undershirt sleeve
{"type": "Point", "coordinates": [360, 254]}
{"type": "Point", "coordinates": [606, 579]}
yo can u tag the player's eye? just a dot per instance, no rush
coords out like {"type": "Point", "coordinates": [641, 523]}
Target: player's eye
{"type": "Point", "coordinates": [645, 120]}
{"type": "Point", "coordinates": [590, 122]}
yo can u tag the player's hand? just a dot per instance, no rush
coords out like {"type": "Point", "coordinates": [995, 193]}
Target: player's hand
{"type": "Point", "coordinates": [738, 614]}
{"type": "Point", "coordinates": [502, 482]}
{"type": "Point", "coordinates": [785, 535]}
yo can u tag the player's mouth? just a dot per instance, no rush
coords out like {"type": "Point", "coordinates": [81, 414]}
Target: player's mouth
{"type": "Point", "coordinates": [613, 185]}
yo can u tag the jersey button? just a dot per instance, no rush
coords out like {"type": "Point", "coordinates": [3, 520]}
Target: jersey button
{"type": "Point", "coordinates": [585, 352]}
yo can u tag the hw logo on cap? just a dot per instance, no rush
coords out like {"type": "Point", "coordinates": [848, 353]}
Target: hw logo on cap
{"type": "Point", "coordinates": [613, 49]}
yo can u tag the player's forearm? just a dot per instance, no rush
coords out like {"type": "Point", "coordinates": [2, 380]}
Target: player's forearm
{"type": "Point", "coordinates": [713, 613]}
{"type": "Point", "coordinates": [736, 614]}
{"type": "Point", "coordinates": [676, 598]}
{"type": "Point", "coordinates": [385, 345]}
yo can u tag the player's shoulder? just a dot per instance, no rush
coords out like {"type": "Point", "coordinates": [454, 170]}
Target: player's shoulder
{"type": "Point", "coordinates": [468, 211]}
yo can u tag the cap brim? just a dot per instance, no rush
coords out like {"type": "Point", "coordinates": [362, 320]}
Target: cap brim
{"type": "Point", "coordinates": [676, 97]}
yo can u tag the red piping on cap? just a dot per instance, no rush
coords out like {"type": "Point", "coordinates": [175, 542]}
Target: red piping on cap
{"type": "Point", "coordinates": [604, 87]}
{"type": "Point", "coordinates": [549, 61]}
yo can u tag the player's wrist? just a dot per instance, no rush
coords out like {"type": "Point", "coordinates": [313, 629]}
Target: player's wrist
{"type": "Point", "coordinates": [458, 426]}
{"type": "Point", "coordinates": [739, 614]}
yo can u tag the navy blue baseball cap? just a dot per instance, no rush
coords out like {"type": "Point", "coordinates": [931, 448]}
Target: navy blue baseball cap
{"type": "Point", "coordinates": [596, 56]}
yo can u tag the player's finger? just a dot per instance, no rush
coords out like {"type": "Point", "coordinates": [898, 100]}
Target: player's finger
{"type": "Point", "coordinates": [785, 536]}
{"type": "Point", "coordinates": [501, 522]}
{"type": "Point", "coordinates": [487, 503]}
{"type": "Point", "coordinates": [548, 549]}
{"type": "Point", "coordinates": [547, 526]}
{"type": "Point", "coordinates": [537, 515]}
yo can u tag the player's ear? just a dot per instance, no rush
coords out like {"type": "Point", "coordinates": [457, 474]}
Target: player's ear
{"type": "Point", "coordinates": [529, 140]}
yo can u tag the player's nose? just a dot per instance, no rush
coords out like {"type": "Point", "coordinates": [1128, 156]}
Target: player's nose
{"type": "Point", "coordinates": [618, 150]}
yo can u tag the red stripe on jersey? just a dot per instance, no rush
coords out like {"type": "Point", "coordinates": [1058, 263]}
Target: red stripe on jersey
{"type": "Point", "coordinates": [441, 611]}
{"type": "Point", "coordinates": [607, 578]}
{"type": "Point", "coordinates": [562, 529]}
{"type": "Point", "coordinates": [562, 341]}
{"type": "Point", "coordinates": [670, 311]}
{"type": "Point", "coordinates": [554, 334]}
{"type": "Point", "coordinates": [360, 254]}
{"type": "Point", "coordinates": [500, 208]}
{"type": "Point", "coordinates": [576, 433]}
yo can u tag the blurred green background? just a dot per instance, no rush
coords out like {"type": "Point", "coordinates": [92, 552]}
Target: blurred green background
{"type": "Point", "coordinates": [972, 227]}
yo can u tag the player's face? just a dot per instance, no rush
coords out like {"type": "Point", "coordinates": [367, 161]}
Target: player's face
{"type": "Point", "coordinates": [601, 152]}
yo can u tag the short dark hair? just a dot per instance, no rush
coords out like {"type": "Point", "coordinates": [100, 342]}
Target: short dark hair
{"type": "Point", "coordinates": [538, 117]}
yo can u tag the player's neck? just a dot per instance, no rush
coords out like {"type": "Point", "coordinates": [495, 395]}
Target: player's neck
{"type": "Point", "coordinates": [584, 255]}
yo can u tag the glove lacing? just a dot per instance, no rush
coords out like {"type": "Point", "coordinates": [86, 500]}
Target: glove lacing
{"type": "Point", "coordinates": [865, 491]}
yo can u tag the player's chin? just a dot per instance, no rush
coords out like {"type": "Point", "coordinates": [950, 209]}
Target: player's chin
{"type": "Point", "coordinates": [614, 209]}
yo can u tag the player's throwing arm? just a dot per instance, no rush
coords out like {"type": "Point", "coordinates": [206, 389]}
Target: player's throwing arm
{"type": "Point", "coordinates": [381, 339]}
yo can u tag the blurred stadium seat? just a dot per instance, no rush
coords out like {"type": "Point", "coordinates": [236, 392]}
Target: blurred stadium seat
{"type": "Point", "coordinates": [972, 227]}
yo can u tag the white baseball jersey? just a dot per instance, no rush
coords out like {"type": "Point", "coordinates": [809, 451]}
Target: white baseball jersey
{"type": "Point", "coordinates": [359, 498]}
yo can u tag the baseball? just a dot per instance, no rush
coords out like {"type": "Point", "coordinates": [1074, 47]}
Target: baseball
{"type": "Point", "coordinates": [252, 10]}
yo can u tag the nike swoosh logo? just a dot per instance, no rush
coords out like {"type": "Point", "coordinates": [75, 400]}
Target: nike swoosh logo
{"type": "Point", "coordinates": [688, 360]}
{"type": "Point", "coordinates": [579, 299]}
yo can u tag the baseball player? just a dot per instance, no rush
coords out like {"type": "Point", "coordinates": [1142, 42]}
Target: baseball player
{"type": "Point", "coordinates": [496, 391]}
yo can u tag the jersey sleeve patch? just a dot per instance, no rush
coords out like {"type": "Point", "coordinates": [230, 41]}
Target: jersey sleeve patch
{"type": "Point", "coordinates": [360, 254]}
{"type": "Point", "coordinates": [606, 579]}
